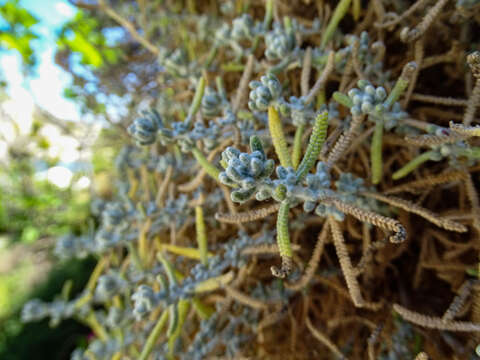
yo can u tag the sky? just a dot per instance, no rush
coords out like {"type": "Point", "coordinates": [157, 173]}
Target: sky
{"type": "Point", "coordinates": [45, 87]}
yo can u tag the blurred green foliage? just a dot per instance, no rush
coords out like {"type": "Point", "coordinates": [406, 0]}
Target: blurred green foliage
{"type": "Point", "coordinates": [37, 340]}
{"type": "Point", "coordinates": [83, 36]}
{"type": "Point", "coordinates": [27, 205]}
{"type": "Point", "coordinates": [16, 31]}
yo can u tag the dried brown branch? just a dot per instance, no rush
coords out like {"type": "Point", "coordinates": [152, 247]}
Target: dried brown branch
{"type": "Point", "coordinates": [416, 209]}
{"type": "Point", "coordinates": [370, 217]}
{"type": "Point", "coordinates": [410, 35]}
{"type": "Point", "coordinates": [127, 25]}
{"type": "Point", "coordinates": [428, 182]}
{"type": "Point", "coordinates": [248, 216]}
{"type": "Point", "coordinates": [324, 340]}
{"type": "Point", "coordinates": [434, 322]}
{"type": "Point", "coordinates": [313, 263]}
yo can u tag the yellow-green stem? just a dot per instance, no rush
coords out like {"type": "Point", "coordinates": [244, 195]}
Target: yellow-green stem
{"type": "Point", "coordinates": [412, 165]}
{"type": "Point", "coordinates": [376, 152]}
{"type": "Point", "coordinates": [183, 306]}
{"type": "Point", "coordinates": [315, 144]}
{"type": "Point", "coordinates": [92, 282]}
{"type": "Point", "coordinates": [197, 99]}
{"type": "Point", "coordinates": [283, 236]}
{"type": "Point", "coordinates": [297, 146]}
{"type": "Point", "coordinates": [357, 7]}
{"type": "Point", "coordinates": [169, 269]}
{"type": "Point", "coordinates": [268, 14]}
{"type": "Point", "coordinates": [338, 15]}
{"type": "Point", "coordinates": [154, 335]}
{"type": "Point", "coordinates": [209, 168]}
{"type": "Point", "coordinates": [203, 310]}
{"type": "Point", "coordinates": [342, 99]}
{"type": "Point", "coordinates": [201, 234]}
{"type": "Point", "coordinates": [134, 255]}
{"type": "Point", "coordinates": [97, 328]}
{"type": "Point", "coordinates": [278, 137]}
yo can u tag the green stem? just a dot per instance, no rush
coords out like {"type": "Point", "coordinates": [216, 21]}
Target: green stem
{"type": "Point", "coordinates": [287, 23]}
{"type": "Point", "coordinates": [232, 66]}
{"type": "Point", "coordinates": [357, 7]}
{"type": "Point", "coordinates": [297, 146]}
{"type": "Point", "coordinates": [283, 236]}
{"type": "Point", "coordinates": [473, 152]}
{"type": "Point", "coordinates": [154, 335]}
{"type": "Point", "coordinates": [211, 56]}
{"type": "Point", "coordinates": [401, 84]}
{"type": "Point", "coordinates": [315, 144]}
{"type": "Point", "coordinates": [281, 65]}
{"type": "Point", "coordinates": [172, 277]}
{"type": "Point", "coordinates": [221, 87]}
{"type": "Point", "coordinates": [278, 137]}
{"type": "Point", "coordinates": [396, 92]}
{"type": "Point", "coordinates": [320, 100]}
{"type": "Point", "coordinates": [183, 306]}
{"type": "Point", "coordinates": [197, 99]}
{"type": "Point", "coordinates": [268, 14]}
{"type": "Point", "coordinates": [342, 99]}
{"type": "Point", "coordinates": [96, 327]}
{"type": "Point", "coordinates": [376, 152]}
{"type": "Point", "coordinates": [321, 60]}
{"type": "Point", "coordinates": [255, 42]}
{"type": "Point", "coordinates": [413, 164]}
{"type": "Point", "coordinates": [173, 317]}
{"type": "Point", "coordinates": [134, 254]}
{"type": "Point", "coordinates": [338, 14]}
{"type": "Point", "coordinates": [203, 310]}
{"type": "Point", "coordinates": [209, 168]}
{"type": "Point", "coordinates": [201, 234]}
{"type": "Point", "coordinates": [66, 289]}
{"type": "Point", "coordinates": [283, 241]}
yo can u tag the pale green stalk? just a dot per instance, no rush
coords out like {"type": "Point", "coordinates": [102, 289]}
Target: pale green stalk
{"type": "Point", "coordinates": [357, 7]}
{"type": "Point", "coordinates": [338, 15]}
{"type": "Point", "coordinates": [209, 168]}
{"type": "Point", "coordinates": [183, 306]}
{"type": "Point", "coordinates": [283, 237]}
{"type": "Point", "coordinates": [96, 327]}
{"type": "Point", "coordinates": [66, 289]}
{"type": "Point", "coordinates": [278, 137]}
{"type": "Point", "coordinates": [376, 152]}
{"type": "Point", "coordinates": [472, 152]}
{"type": "Point", "coordinates": [172, 278]}
{"type": "Point", "coordinates": [342, 99]}
{"type": "Point", "coordinates": [201, 234]}
{"type": "Point", "coordinates": [197, 99]}
{"type": "Point", "coordinates": [283, 241]}
{"type": "Point", "coordinates": [287, 23]}
{"type": "Point", "coordinates": [173, 319]}
{"type": "Point", "coordinates": [401, 84]}
{"type": "Point", "coordinates": [317, 138]}
{"type": "Point", "coordinates": [211, 56]}
{"type": "Point", "coordinates": [203, 310]}
{"type": "Point", "coordinates": [232, 67]}
{"type": "Point", "coordinates": [396, 92]}
{"type": "Point", "coordinates": [153, 337]}
{"type": "Point", "coordinates": [297, 146]}
{"type": "Point", "coordinates": [413, 164]}
{"type": "Point", "coordinates": [268, 14]}
{"type": "Point", "coordinates": [134, 255]}
{"type": "Point", "coordinates": [221, 87]}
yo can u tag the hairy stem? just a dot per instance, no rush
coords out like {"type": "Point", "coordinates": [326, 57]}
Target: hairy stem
{"type": "Point", "coordinates": [278, 137]}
